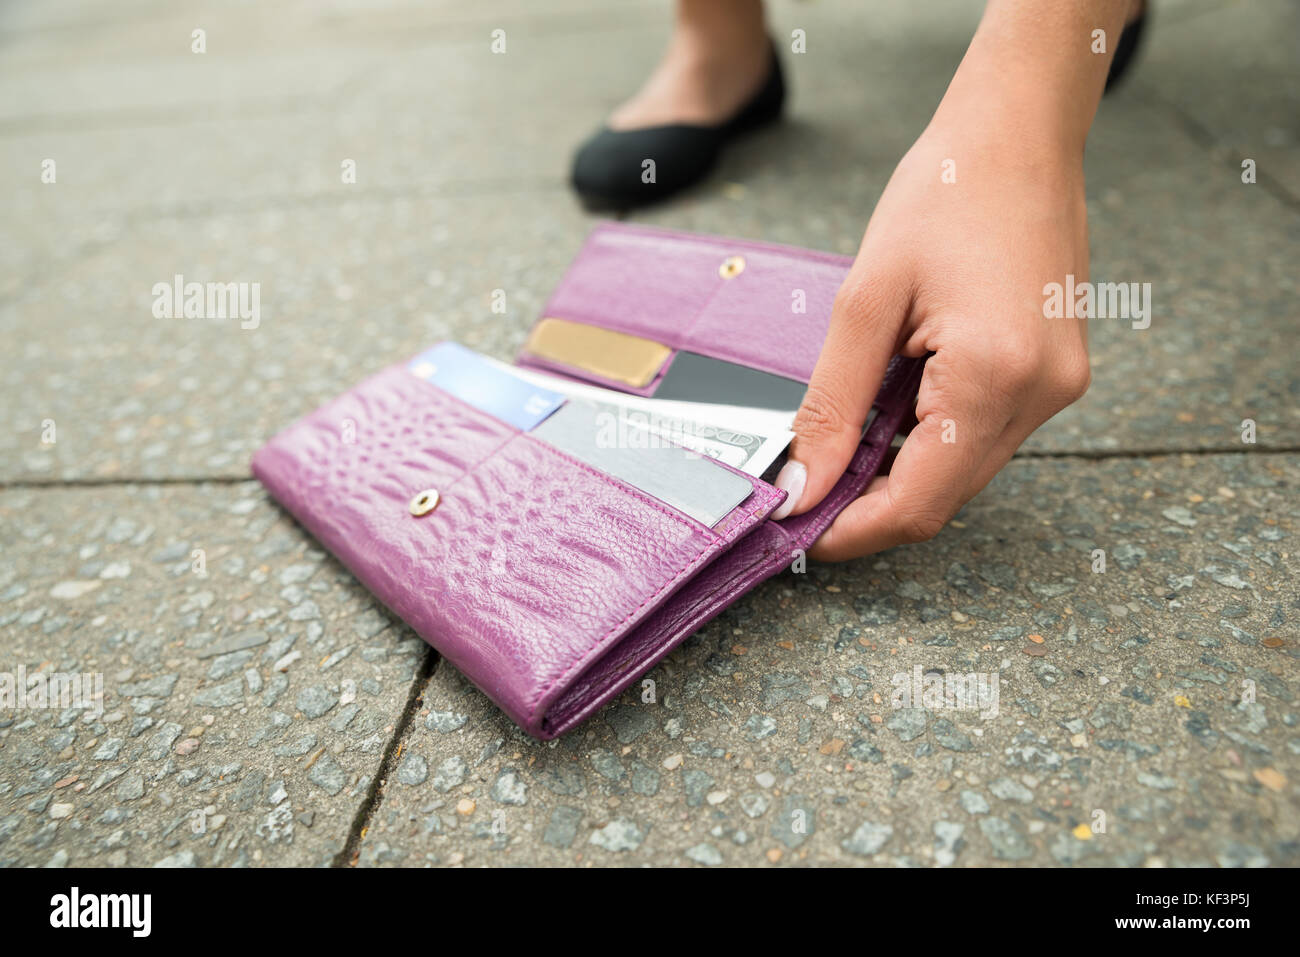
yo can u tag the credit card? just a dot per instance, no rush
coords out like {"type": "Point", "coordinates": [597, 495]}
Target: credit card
{"type": "Point", "coordinates": [697, 378]}
{"type": "Point", "coordinates": [473, 378]}
{"type": "Point", "coordinates": [746, 438]}
{"type": "Point", "coordinates": [612, 355]}
{"type": "Point", "coordinates": [690, 483]}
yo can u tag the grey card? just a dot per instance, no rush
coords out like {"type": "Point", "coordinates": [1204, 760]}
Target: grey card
{"type": "Point", "coordinates": [691, 483]}
{"type": "Point", "coordinates": [696, 378]}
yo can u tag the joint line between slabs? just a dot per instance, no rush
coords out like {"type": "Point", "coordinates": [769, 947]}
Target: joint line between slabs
{"type": "Point", "coordinates": [351, 851]}
{"type": "Point", "coordinates": [21, 485]}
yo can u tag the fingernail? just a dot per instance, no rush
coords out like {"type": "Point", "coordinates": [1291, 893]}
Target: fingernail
{"type": "Point", "coordinates": [790, 480]}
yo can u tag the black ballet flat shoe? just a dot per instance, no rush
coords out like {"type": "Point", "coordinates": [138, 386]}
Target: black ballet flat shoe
{"type": "Point", "coordinates": [619, 169]}
{"type": "Point", "coordinates": [1129, 41]}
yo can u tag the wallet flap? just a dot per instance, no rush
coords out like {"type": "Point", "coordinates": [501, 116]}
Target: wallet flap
{"type": "Point", "coordinates": [761, 305]}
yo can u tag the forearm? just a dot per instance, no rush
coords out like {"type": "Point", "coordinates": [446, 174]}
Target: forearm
{"type": "Point", "coordinates": [1031, 69]}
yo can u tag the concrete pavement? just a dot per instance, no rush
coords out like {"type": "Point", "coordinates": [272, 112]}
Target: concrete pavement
{"type": "Point", "coordinates": [260, 708]}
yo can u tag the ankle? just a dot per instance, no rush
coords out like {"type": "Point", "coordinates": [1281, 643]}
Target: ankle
{"type": "Point", "coordinates": [717, 58]}
{"type": "Point", "coordinates": [721, 15]}
{"type": "Point", "coordinates": [726, 34]}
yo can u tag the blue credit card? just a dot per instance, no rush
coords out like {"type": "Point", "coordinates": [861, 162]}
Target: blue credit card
{"type": "Point", "coordinates": [471, 378]}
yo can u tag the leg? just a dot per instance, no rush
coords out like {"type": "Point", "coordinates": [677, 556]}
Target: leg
{"type": "Point", "coordinates": [718, 78]}
{"type": "Point", "coordinates": [716, 60]}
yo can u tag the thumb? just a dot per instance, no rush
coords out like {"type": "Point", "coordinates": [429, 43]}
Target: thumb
{"type": "Point", "coordinates": [865, 321]}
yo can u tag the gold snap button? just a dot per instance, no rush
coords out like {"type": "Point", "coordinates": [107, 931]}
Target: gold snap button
{"type": "Point", "coordinates": [732, 267]}
{"type": "Point", "coordinates": [425, 502]}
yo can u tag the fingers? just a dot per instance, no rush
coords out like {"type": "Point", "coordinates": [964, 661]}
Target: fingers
{"type": "Point", "coordinates": [865, 323]}
{"type": "Point", "coordinates": [997, 400]}
{"type": "Point", "coordinates": [1002, 452]}
{"type": "Point", "coordinates": [960, 424]}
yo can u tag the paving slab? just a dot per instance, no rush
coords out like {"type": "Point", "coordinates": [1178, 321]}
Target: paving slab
{"type": "Point", "coordinates": [257, 122]}
{"type": "Point", "coordinates": [249, 685]}
{"type": "Point", "coordinates": [343, 291]}
{"type": "Point", "coordinates": [411, 126]}
{"type": "Point", "coordinates": [38, 33]}
{"type": "Point", "coordinates": [120, 157]}
{"type": "Point", "coordinates": [145, 60]}
{"type": "Point", "coordinates": [1230, 72]}
{"type": "Point", "coordinates": [1147, 714]}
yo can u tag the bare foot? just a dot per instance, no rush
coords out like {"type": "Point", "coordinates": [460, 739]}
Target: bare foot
{"type": "Point", "coordinates": [717, 59]}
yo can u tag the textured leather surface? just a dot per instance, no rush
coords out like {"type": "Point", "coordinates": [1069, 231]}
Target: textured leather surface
{"type": "Point", "coordinates": [547, 583]}
{"type": "Point", "coordinates": [531, 564]}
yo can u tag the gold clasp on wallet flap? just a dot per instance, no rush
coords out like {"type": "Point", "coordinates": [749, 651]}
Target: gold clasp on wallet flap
{"type": "Point", "coordinates": [732, 267]}
{"type": "Point", "coordinates": [424, 502]}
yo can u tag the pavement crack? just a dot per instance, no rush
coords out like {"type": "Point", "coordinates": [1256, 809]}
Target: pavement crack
{"type": "Point", "coordinates": [1102, 455]}
{"type": "Point", "coordinates": [1204, 137]}
{"type": "Point", "coordinates": [13, 485]}
{"type": "Point", "coordinates": [1083, 455]}
{"type": "Point", "coordinates": [347, 857]}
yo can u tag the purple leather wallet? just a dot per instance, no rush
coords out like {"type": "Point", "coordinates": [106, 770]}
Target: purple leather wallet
{"type": "Point", "coordinates": [553, 586]}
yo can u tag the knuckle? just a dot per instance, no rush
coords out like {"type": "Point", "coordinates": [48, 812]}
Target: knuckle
{"type": "Point", "coordinates": [856, 299]}
{"type": "Point", "coordinates": [861, 303]}
{"type": "Point", "coordinates": [820, 416]}
{"type": "Point", "coordinates": [1075, 376]}
{"type": "Point", "coordinates": [920, 515]}
{"type": "Point", "coordinates": [1016, 363]}
{"type": "Point", "coordinates": [920, 524]}
{"type": "Point", "coordinates": [1021, 365]}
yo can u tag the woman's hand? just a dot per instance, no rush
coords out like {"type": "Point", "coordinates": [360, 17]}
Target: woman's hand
{"type": "Point", "coordinates": [984, 211]}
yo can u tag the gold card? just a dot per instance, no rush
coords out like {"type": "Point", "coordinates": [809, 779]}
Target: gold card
{"type": "Point", "coordinates": [623, 358]}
